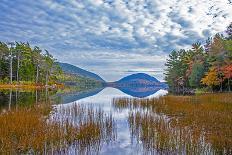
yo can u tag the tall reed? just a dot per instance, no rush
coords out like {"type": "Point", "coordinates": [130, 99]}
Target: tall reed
{"type": "Point", "coordinates": [94, 126]}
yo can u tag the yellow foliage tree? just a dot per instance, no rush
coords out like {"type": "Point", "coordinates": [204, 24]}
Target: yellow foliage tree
{"type": "Point", "coordinates": [211, 78]}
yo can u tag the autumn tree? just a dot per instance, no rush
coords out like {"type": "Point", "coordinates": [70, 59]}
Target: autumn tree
{"type": "Point", "coordinates": [207, 64]}
{"type": "Point", "coordinates": [227, 71]}
{"type": "Point", "coordinates": [211, 78]}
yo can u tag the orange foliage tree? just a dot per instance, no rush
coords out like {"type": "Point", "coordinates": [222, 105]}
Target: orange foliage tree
{"type": "Point", "coordinates": [211, 78]}
{"type": "Point", "coordinates": [227, 71]}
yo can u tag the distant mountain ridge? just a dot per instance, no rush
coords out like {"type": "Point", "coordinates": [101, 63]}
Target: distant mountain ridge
{"type": "Point", "coordinates": [138, 80]}
{"type": "Point", "coordinates": [134, 80]}
{"type": "Point", "coordinates": [71, 69]}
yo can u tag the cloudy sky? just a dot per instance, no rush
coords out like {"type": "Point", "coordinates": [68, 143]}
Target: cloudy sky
{"type": "Point", "coordinates": [113, 38]}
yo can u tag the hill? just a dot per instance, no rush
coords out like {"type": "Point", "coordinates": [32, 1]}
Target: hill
{"type": "Point", "coordinates": [137, 80]}
{"type": "Point", "coordinates": [139, 77]}
{"type": "Point", "coordinates": [71, 69]}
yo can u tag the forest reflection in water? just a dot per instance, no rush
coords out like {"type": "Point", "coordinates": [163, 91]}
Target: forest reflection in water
{"type": "Point", "coordinates": [13, 98]}
{"type": "Point", "coordinates": [181, 124]}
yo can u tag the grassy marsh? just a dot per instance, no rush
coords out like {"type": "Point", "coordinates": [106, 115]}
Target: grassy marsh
{"type": "Point", "coordinates": [40, 129]}
{"type": "Point", "coordinates": [95, 127]}
{"type": "Point", "coordinates": [181, 124]}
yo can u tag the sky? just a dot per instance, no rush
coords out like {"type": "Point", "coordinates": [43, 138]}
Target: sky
{"type": "Point", "coordinates": [113, 38]}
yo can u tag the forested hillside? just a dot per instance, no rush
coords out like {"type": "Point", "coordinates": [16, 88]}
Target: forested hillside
{"type": "Point", "coordinates": [21, 64]}
{"type": "Point", "coordinates": [204, 67]}
{"type": "Point", "coordinates": [71, 69]}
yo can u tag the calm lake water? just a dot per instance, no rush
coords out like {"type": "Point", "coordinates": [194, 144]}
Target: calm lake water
{"type": "Point", "coordinates": [99, 98]}
{"type": "Point", "coordinates": [124, 143]}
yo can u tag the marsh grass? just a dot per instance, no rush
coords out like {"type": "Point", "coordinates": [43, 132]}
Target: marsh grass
{"type": "Point", "coordinates": [95, 127]}
{"type": "Point", "coordinates": [39, 129]}
{"type": "Point", "coordinates": [181, 124]}
{"type": "Point", "coordinates": [26, 130]}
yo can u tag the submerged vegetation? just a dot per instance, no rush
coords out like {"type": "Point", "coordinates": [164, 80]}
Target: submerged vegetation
{"type": "Point", "coordinates": [36, 130]}
{"type": "Point", "coordinates": [208, 66]}
{"type": "Point", "coordinates": [181, 124]}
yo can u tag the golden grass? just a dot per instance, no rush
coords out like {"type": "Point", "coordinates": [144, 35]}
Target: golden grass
{"type": "Point", "coordinates": [176, 124]}
{"type": "Point", "coordinates": [27, 129]}
{"type": "Point", "coordinates": [36, 130]}
{"type": "Point", "coordinates": [94, 126]}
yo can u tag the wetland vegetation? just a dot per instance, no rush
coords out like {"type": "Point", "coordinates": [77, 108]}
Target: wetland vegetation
{"type": "Point", "coordinates": [181, 124]}
{"type": "Point", "coordinates": [42, 129]}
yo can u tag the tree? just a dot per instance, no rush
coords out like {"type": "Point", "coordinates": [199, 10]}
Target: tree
{"type": "Point", "coordinates": [217, 54]}
{"type": "Point", "coordinates": [48, 64]}
{"type": "Point", "coordinates": [211, 78]}
{"type": "Point", "coordinates": [18, 49]}
{"type": "Point", "coordinates": [229, 31]}
{"type": "Point", "coordinates": [196, 65]}
{"type": "Point", "coordinates": [196, 75]}
{"type": "Point", "coordinates": [227, 70]}
{"type": "Point", "coordinates": [38, 60]}
{"type": "Point", "coordinates": [228, 48]}
{"type": "Point", "coordinates": [176, 69]}
{"type": "Point", "coordinates": [24, 63]}
{"type": "Point", "coordinates": [4, 52]}
{"type": "Point", "coordinates": [186, 68]}
{"type": "Point", "coordinates": [27, 69]}
{"type": "Point", "coordinates": [11, 60]}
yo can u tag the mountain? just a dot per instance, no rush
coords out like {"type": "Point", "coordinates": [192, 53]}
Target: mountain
{"type": "Point", "coordinates": [71, 69]}
{"type": "Point", "coordinates": [138, 85]}
{"type": "Point", "coordinates": [139, 79]}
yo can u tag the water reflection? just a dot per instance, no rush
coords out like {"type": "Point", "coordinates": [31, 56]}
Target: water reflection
{"type": "Point", "coordinates": [13, 98]}
{"type": "Point", "coordinates": [76, 95]}
{"type": "Point", "coordinates": [114, 135]}
{"type": "Point", "coordinates": [18, 97]}
{"type": "Point", "coordinates": [139, 91]}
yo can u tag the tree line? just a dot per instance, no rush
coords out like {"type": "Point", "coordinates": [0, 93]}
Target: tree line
{"type": "Point", "coordinates": [19, 62]}
{"type": "Point", "coordinates": [206, 67]}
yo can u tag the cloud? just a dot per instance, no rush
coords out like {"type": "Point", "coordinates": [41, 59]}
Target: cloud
{"type": "Point", "coordinates": [108, 35]}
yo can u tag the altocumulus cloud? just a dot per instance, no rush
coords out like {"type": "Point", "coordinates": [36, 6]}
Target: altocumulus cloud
{"type": "Point", "coordinates": [113, 38]}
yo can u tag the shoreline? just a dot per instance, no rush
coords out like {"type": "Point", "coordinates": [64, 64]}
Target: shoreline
{"type": "Point", "coordinates": [34, 86]}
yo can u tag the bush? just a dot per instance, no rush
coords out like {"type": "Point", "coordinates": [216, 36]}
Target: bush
{"type": "Point", "coordinates": [199, 91]}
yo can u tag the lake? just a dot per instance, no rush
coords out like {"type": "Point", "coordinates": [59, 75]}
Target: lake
{"type": "Point", "coordinates": [130, 124]}
{"type": "Point", "coordinates": [124, 144]}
